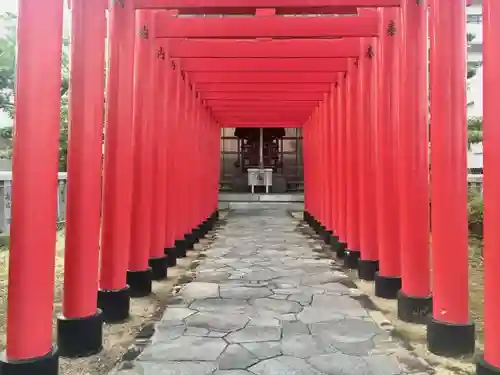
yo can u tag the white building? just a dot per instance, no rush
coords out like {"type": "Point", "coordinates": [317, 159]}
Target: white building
{"type": "Point", "coordinates": [475, 84]}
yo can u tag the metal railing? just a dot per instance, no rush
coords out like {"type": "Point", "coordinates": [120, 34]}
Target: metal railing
{"type": "Point", "coordinates": [6, 200]}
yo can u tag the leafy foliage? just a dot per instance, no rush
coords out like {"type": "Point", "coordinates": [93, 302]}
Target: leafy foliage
{"type": "Point", "coordinates": [8, 78]}
{"type": "Point", "coordinates": [475, 211]}
{"type": "Point", "coordinates": [475, 124]}
{"type": "Point", "coordinates": [475, 130]}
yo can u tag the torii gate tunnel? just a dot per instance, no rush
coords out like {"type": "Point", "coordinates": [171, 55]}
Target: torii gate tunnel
{"type": "Point", "coordinates": [352, 73]}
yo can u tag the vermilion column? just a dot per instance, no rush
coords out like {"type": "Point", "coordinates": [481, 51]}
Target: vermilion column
{"type": "Point", "coordinates": [341, 164]}
{"type": "Point", "coordinates": [327, 154]}
{"type": "Point", "coordinates": [114, 294]}
{"type": "Point", "coordinates": [490, 364]}
{"type": "Point", "coordinates": [414, 301]}
{"type": "Point", "coordinates": [79, 330]}
{"type": "Point", "coordinates": [332, 123]}
{"type": "Point", "coordinates": [388, 280]}
{"type": "Point", "coordinates": [139, 275]}
{"type": "Point", "coordinates": [178, 177]}
{"type": "Point", "coordinates": [352, 166]}
{"type": "Point", "coordinates": [450, 282]}
{"type": "Point", "coordinates": [170, 108]}
{"type": "Point", "coordinates": [187, 158]}
{"type": "Point", "coordinates": [320, 139]}
{"type": "Point", "coordinates": [307, 169]}
{"type": "Point", "coordinates": [368, 70]}
{"type": "Point", "coordinates": [35, 159]}
{"type": "Point", "coordinates": [157, 256]}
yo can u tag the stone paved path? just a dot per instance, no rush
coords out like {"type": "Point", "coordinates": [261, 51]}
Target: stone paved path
{"type": "Point", "coordinates": [264, 304]}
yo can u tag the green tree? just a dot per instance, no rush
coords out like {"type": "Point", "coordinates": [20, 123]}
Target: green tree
{"type": "Point", "coordinates": [474, 124]}
{"type": "Point", "coordinates": [7, 84]}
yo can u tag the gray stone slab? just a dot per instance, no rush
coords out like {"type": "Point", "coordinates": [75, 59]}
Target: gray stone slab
{"type": "Point", "coordinates": [303, 346]}
{"type": "Point", "coordinates": [217, 321]}
{"type": "Point", "coordinates": [173, 368]}
{"type": "Point", "coordinates": [236, 357]}
{"type": "Point", "coordinates": [196, 290]}
{"type": "Point", "coordinates": [185, 348]}
{"type": "Point", "coordinates": [254, 334]}
{"type": "Point", "coordinates": [264, 350]}
{"type": "Point", "coordinates": [244, 292]}
{"type": "Point", "coordinates": [284, 366]}
{"type": "Point", "coordinates": [280, 306]}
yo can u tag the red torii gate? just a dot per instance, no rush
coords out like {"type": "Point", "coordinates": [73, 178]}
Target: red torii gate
{"type": "Point", "coordinates": [370, 102]}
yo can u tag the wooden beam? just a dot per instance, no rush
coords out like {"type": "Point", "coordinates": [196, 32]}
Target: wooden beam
{"type": "Point", "coordinates": [256, 124]}
{"type": "Point", "coordinates": [264, 65]}
{"type": "Point", "coordinates": [263, 87]}
{"type": "Point", "coordinates": [168, 26]}
{"type": "Point", "coordinates": [266, 49]}
{"type": "Point", "coordinates": [279, 11]}
{"type": "Point", "coordinates": [184, 4]}
{"type": "Point", "coordinates": [270, 103]}
{"type": "Point", "coordinates": [263, 77]}
{"type": "Point", "coordinates": [259, 96]}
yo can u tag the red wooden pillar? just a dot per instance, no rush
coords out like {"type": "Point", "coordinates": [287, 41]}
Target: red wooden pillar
{"type": "Point", "coordinates": [187, 162]}
{"type": "Point", "coordinates": [490, 363]}
{"type": "Point", "coordinates": [332, 169]}
{"type": "Point", "coordinates": [170, 108]}
{"type": "Point", "coordinates": [307, 169]}
{"type": "Point", "coordinates": [352, 166]}
{"type": "Point", "coordinates": [341, 164]}
{"type": "Point", "coordinates": [321, 167]}
{"type": "Point", "coordinates": [414, 300]}
{"type": "Point", "coordinates": [388, 279]}
{"type": "Point", "coordinates": [114, 294]}
{"type": "Point", "coordinates": [318, 188]}
{"type": "Point", "coordinates": [157, 256]}
{"type": "Point", "coordinates": [177, 165]}
{"type": "Point", "coordinates": [368, 70]}
{"type": "Point", "coordinates": [327, 150]}
{"type": "Point", "coordinates": [451, 331]}
{"type": "Point", "coordinates": [139, 275]}
{"type": "Point", "coordinates": [79, 330]}
{"type": "Point", "coordinates": [34, 170]}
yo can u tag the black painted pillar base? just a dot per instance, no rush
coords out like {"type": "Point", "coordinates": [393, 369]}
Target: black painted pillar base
{"type": "Point", "coordinates": [340, 250]}
{"type": "Point", "coordinates": [181, 248]}
{"type": "Point", "coordinates": [197, 234]}
{"type": "Point", "coordinates": [484, 368]}
{"type": "Point", "coordinates": [171, 254]}
{"type": "Point", "coordinates": [325, 236]}
{"type": "Point", "coordinates": [140, 283]}
{"type": "Point", "coordinates": [114, 304]}
{"type": "Point", "coordinates": [189, 241]}
{"type": "Point", "coordinates": [387, 286]}
{"type": "Point", "coordinates": [333, 240]}
{"type": "Point", "coordinates": [158, 268]}
{"type": "Point", "coordinates": [307, 217]}
{"type": "Point", "coordinates": [210, 223]}
{"type": "Point", "coordinates": [79, 337]}
{"type": "Point", "coordinates": [367, 269]}
{"type": "Point", "coordinates": [46, 365]}
{"type": "Point", "coordinates": [451, 340]}
{"type": "Point", "coordinates": [351, 259]}
{"type": "Point", "coordinates": [414, 309]}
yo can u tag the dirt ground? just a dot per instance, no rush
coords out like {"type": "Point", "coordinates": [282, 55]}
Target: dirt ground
{"type": "Point", "coordinates": [117, 337]}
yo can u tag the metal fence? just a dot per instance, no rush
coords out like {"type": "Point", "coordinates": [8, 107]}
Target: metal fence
{"type": "Point", "coordinates": [6, 200]}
